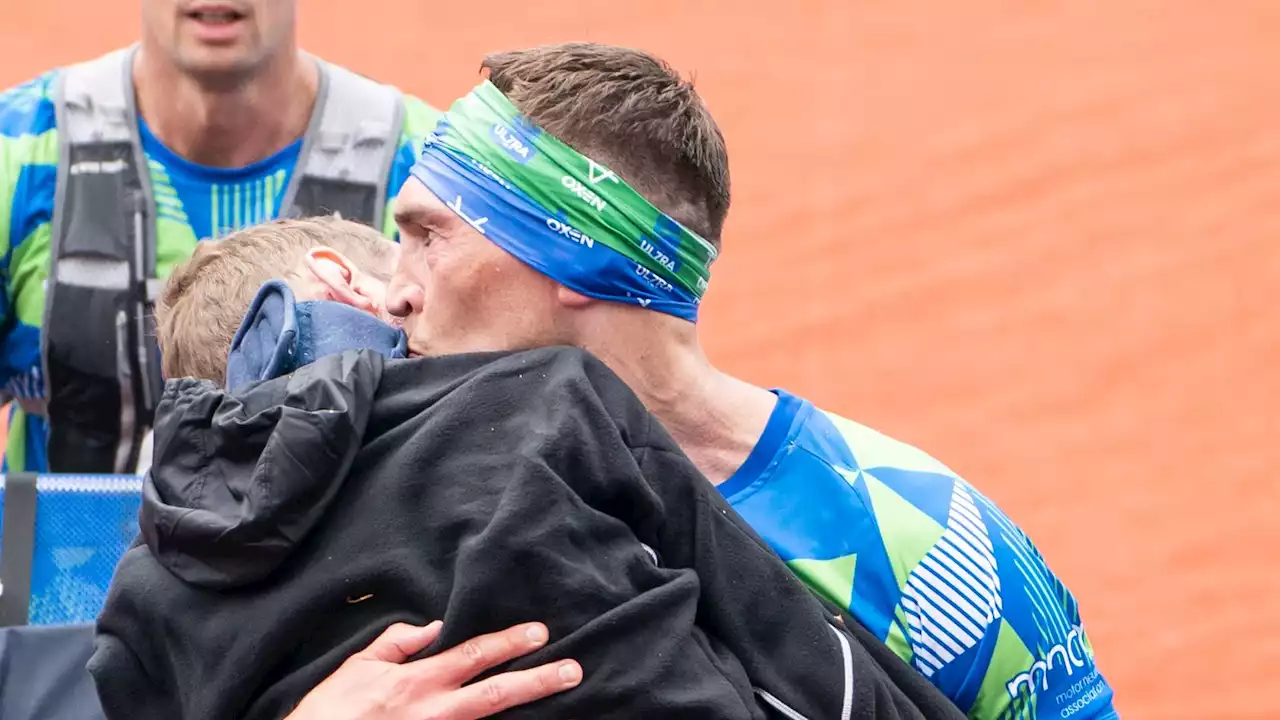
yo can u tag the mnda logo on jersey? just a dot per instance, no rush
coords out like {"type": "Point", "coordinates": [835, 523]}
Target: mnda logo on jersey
{"type": "Point", "coordinates": [1059, 665]}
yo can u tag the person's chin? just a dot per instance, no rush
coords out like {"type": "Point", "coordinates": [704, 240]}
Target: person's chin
{"type": "Point", "coordinates": [217, 66]}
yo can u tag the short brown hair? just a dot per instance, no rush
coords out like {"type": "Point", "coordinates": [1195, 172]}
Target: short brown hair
{"type": "Point", "coordinates": [206, 298]}
{"type": "Point", "coordinates": [631, 112]}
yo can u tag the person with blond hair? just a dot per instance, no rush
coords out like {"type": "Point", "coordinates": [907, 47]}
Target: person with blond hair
{"type": "Point", "coordinates": [577, 197]}
{"type": "Point", "coordinates": [325, 494]}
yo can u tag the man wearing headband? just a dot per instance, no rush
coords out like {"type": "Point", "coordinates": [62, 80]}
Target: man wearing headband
{"type": "Point", "coordinates": [323, 488]}
{"type": "Point", "coordinates": [577, 197]}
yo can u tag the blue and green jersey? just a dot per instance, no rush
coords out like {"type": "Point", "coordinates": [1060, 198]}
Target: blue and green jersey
{"type": "Point", "coordinates": [192, 202]}
{"type": "Point", "coordinates": [924, 561]}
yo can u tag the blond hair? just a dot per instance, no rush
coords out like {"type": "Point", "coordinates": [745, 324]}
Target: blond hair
{"type": "Point", "coordinates": [206, 298]}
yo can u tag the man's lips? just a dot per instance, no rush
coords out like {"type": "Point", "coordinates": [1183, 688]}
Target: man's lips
{"type": "Point", "coordinates": [215, 13]}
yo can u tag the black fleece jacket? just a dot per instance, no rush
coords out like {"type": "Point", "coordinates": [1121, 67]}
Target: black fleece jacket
{"type": "Point", "coordinates": [286, 525]}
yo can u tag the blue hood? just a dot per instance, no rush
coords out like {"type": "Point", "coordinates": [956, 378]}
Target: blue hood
{"type": "Point", "coordinates": [280, 335]}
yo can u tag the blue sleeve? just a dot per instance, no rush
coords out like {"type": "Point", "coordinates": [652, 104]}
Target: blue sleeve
{"type": "Point", "coordinates": [929, 566]}
{"type": "Point", "coordinates": [1042, 663]}
{"type": "Point", "coordinates": [28, 176]}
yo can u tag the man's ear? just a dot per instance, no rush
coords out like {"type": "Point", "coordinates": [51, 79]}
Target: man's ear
{"type": "Point", "coordinates": [339, 278]}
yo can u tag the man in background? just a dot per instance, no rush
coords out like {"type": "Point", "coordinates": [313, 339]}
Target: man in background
{"type": "Point", "coordinates": [112, 170]}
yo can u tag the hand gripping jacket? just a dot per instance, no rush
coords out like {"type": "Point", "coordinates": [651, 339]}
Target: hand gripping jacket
{"type": "Point", "coordinates": [101, 363]}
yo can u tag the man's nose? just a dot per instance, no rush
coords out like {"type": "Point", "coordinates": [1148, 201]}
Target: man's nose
{"type": "Point", "coordinates": [403, 297]}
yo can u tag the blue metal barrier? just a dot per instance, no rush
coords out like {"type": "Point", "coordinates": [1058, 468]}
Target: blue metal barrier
{"type": "Point", "coordinates": [75, 532]}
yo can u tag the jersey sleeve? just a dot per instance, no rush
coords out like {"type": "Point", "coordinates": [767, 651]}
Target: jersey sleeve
{"type": "Point", "coordinates": [419, 121]}
{"type": "Point", "coordinates": [28, 177]}
{"type": "Point", "coordinates": [1041, 664]}
{"type": "Point", "coordinates": [972, 604]}
{"type": "Point", "coordinates": [931, 567]}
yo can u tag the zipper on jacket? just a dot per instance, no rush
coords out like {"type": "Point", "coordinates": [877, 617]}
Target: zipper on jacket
{"type": "Point", "coordinates": [847, 653]}
{"type": "Point", "coordinates": [846, 704]}
{"type": "Point", "coordinates": [773, 702]}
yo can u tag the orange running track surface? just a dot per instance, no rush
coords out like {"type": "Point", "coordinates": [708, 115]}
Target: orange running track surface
{"type": "Point", "coordinates": [1041, 240]}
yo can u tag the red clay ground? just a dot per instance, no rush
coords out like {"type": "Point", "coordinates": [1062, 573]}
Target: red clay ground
{"type": "Point", "coordinates": [1041, 242]}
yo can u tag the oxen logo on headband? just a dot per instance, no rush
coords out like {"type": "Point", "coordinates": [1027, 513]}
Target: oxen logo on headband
{"type": "Point", "coordinates": [508, 140]}
{"type": "Point", "coordinates": [560, 225]}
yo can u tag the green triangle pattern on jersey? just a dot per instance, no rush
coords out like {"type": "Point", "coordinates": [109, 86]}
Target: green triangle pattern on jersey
{"type": "Point", "coordinates": [833, 578]}
{"type": "Point", "coordinates": [1009, 658]}
{"type": "Point", "coordinates": [914, 533]}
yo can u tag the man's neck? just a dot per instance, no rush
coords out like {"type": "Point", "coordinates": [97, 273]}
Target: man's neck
{"type": "Point", "coordinates": [715, 418]}
{"type": "Point", "coordinates": [230, 126]}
